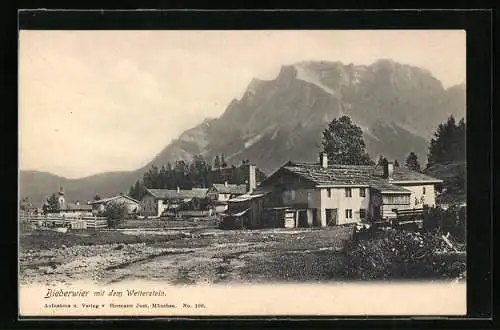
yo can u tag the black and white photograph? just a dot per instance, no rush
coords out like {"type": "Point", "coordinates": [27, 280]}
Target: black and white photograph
{"type": "Point", "coordinates": [157, 162]}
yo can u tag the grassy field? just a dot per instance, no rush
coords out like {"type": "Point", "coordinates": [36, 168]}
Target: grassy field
{"type": "Point", "coordinates": [42, 240]}
{"type": "Point", "coordinates": [168, 223]}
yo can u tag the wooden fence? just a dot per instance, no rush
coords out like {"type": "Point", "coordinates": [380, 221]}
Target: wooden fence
{"type": "Point", "coordinates": [62, 221]}
{"type": "Point", "coordinates": [407, 216]}
{"type": "Point", "coordinates": [187, 214]}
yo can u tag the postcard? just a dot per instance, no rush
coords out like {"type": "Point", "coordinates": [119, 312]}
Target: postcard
{"type": "Point", "coordinates": [242, 173]}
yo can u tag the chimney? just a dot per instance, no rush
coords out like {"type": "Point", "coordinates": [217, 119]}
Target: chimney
{"type": "Point", "coordinates": [251, 185]}
{"type": "Point", "coordinates": [323, 158]}
{"type": "Point", "coordinates": [178, 190]}
{"type": "Point", "coordinates": [388, 170]}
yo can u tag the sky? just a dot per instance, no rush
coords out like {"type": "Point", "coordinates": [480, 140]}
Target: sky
{"type": "Point", "coordinates": [98, 101]}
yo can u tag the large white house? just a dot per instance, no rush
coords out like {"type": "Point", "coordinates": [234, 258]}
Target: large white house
{"type": "Point", "coordinates": [339, 194]}
{"type": "Point", "coordinates": [322, 194]}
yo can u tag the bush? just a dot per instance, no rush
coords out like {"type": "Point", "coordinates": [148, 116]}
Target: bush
{"type": "Point", "coordinates": [115, 214]}
{"type": "Point", "coordinates": [395, 254]}
{"type": "Point", "coordinates": [452, 220]}
{"type": "Point", "coordinates": [231, 223]}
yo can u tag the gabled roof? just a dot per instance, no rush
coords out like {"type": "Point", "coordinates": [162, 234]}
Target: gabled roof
{"type": "Point", "coordinates": [250, 195]}
{"type": "Point", "coordinates": [388, 188]}
{"type": "Point", "coordinates": [404, 174]}
{"type": "Point", "coordinates": [109, 199]}
{"type": "Point", "coordinates": [333, 175]}
{"type": "Point", "coordinates": [230, 188]}
{"type": "Point", "coordinates": [181, 194]}
{"type": "Point", "coordinates": [355, 175]}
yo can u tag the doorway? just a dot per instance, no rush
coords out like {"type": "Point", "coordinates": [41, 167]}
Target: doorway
{"type": "Point", "coordinates": [331, 217]}
{"type": "Point", "coordinates": [376, 213]}
{"type": "Point", "coordinates": [302, 220]}
{"type": "Point", "coordinates": [316, 220]}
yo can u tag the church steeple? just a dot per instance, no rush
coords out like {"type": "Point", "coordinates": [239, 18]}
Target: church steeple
{"type": "Point", "coordinates": [61, 199]}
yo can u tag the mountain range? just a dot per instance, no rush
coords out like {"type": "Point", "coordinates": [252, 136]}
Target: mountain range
{"type": "Point", "coordinates": [398, 107]}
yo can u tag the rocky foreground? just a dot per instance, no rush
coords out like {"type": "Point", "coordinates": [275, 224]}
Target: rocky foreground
{"type": "Point", "coordinates": [81, 262]}
{"type": "Point", "coordinates": [213, 256]}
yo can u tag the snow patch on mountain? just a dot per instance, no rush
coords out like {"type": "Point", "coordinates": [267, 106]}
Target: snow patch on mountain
{"type": "Point", "coordinates": [275, 134]}
{"type": "Point", "coordinates": [367, 132]}
{"type": "Point", "coordinates": [311, 77]}
{"type": "Point", "coordinates": [253, 140]}
{"type": "Point", "coordinates": [410, 129]}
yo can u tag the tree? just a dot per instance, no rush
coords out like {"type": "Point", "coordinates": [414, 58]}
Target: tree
{"type": "Point", "coordinates": [115, 213]}
{"type": "Point", "coordinates": [151, 178]}
{"type": "Point", "coordinates": [448, 143]}
{"type": "Point", "coordinates": [381, 160]}
{"type": "Point", "coordinates": [460, 141]}
{"type": "Point", "coordinates": [344, 144]}
{"type": "Point", "coordinates": [162, 180]}
{"type": "Point", "coordinates": [217, 162]}
{"type": "Point", "coordinates": [97, 198]}
{"type": "Point", "coordinates": [51, 205]}
{"type": "Point", "coordinates": [25, 204]}
{"type": "Point", "coordinates": [412, 162]}
{"type": "Point", "coordinates": [396, 163]}
{"type": "Point", "coordinates": [137, 191]}
{"type": "Point", "coordinates": [223, 161]}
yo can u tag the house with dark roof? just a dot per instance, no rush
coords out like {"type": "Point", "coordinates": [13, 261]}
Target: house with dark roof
{"type": "Point", "coordinates": [322, 194]}
{"type": "Point", "coordinates": [243, 174]}
{"type": "Point", "coordinates": [157, 201]}
{"type": "Point", "coordinates": [220, 193]}
{"type": "Point", "coordinates": [76, 209]}
{"type": "Point", "coordinates": [99, 206]}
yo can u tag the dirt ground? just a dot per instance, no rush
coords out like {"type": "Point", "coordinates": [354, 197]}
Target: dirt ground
{"type": "Point", "coordinates": [184, 256]}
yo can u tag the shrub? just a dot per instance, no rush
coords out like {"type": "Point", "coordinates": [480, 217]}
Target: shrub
{"type": "Point", "coordinates": [452, 220]}
{"type": "Point", "coordinates": [396, 254]}
{"type": "Point", "coordinates": [115, 214]}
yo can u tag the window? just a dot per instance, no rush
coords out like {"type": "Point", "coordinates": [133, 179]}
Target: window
{"type": "Point", "coordinates": [292, 195]}
{"type": "Point", "coordinates": [423, 190]}
{"type": "Point", "coordinates": [362, 192]}
{"type": "Point", "coordinates": [348, 214]}
{"type": "Point", "coordinates": [348, 192]}
{"type": "Point", "coordinates": [362, 213]}
{"type": "Point", "coordinates": [396, 199]}
{"type": "Point", "coordinates": [329, 192]}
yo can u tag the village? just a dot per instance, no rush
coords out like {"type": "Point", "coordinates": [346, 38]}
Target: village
{"type": "Point", "coordinates": [298, 195]}
{"type": "Point", "coordinates": [297, 224]}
